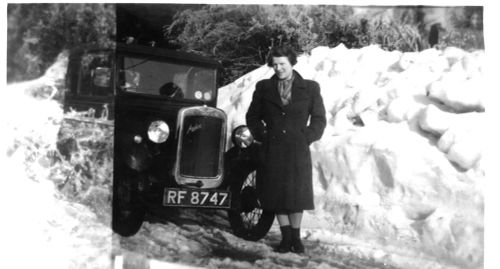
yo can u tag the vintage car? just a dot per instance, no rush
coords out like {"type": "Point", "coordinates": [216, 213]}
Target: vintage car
{"type": "Point", "coordinates": [169, 137]}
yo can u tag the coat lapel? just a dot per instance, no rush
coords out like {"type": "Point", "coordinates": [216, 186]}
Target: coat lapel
{"type": "Point", "coordinates": [273, 93]}
{"type": "Point", "coordinates": [298, 88]}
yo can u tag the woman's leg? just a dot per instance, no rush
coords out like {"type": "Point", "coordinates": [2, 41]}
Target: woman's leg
{"type": "Point", "coordinates": [283, 219]}
{"type": "Point", "coordinates": [295, 221]}
{"type": "Point", "coordinates": [286, 232]}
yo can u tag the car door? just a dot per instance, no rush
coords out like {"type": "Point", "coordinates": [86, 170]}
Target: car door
{"type": "Point", "coordinates": [91, 84]}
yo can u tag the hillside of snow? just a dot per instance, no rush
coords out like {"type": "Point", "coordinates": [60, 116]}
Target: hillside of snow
{"type": "Point", "coordinates": [400, 163]}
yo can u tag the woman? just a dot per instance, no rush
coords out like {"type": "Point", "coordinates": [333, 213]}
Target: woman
{"type": "Point", "coordinates": [278, 116]}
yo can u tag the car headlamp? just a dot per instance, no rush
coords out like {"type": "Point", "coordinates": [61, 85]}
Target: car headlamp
{"type": "Point", "coordinates": [158, 131]}
{"type": "Point", "coordinates": [242, 137]}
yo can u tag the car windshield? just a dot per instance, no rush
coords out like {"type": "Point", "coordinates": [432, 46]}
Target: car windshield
{"type": "Point", "coordinates": [144, 75]}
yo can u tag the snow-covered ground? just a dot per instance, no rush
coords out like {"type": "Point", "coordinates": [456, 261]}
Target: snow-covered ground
{"type": "Point", "coordinates": [398, 176]}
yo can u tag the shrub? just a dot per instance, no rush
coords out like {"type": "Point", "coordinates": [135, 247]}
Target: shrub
{"type": "Point", "coordinates": [37, 33]}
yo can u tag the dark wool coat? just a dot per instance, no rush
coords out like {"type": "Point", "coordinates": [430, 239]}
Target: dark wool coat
{"type": "Point", "coordinates": [284, 181]}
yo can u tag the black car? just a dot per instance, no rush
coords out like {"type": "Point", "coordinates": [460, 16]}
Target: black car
{"type": "Point", "coordinates": [170, 139]}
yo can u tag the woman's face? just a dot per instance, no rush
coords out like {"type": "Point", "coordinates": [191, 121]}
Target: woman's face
{"type": "Point", "coordinates": [282, 67]}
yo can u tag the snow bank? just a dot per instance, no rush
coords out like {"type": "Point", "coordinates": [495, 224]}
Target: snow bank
{"type": "Point", "coordinates": [400, 162]}
{"type": "Point", "coordinates": [43, 228]}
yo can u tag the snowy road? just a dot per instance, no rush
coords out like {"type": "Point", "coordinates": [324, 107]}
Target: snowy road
{"type": "Point", "coordinates": [203, 239]}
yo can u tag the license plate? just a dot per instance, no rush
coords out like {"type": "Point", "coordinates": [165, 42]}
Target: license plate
{"type": "Point", "coordinates": [196, 198]}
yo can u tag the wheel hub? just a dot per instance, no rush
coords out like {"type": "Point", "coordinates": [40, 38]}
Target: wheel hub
{"type": "Point", "coordinates": [248, 199]}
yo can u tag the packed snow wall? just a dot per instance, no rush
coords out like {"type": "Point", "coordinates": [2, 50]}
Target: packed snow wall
{"type": "Point", "coordinates": [57, 212]}
{"type": "Point", "coordinates": [400, 160]}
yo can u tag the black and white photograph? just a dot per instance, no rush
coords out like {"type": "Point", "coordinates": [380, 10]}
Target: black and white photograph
{"type": "Point", "coordinates": [247, 135]}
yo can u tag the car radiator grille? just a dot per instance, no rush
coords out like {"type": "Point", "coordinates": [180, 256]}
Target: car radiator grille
{"type": "Point", "coordinates": [200, 146]}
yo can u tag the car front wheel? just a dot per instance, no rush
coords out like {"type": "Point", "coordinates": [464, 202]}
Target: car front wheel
{"type": "Point", "coordinates": [247, 218]}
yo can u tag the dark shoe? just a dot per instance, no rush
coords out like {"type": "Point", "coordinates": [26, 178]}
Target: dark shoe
{"type": "Point", "coordinates": [296, 245]}
{"type": "Point", "coordinates": [286, 240]}
{"type": "Point", "coordinates": [283, 247]}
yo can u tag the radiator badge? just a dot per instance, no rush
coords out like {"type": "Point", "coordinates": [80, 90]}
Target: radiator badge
{"type": "Point", "coordinates": [193, 127]}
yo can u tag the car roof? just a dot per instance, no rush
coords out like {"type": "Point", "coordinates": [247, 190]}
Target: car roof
{"type": "Point", "coordinates": [181, 56]}
{"type": "Point", "coordinates": [168, 53]}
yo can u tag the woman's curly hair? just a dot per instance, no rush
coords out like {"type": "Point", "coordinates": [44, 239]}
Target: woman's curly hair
{"type": "Point", "coordinates": [282, 52]}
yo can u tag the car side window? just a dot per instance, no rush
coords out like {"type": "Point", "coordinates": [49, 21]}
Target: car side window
{"type": "Point", "coordinates": [95, 74]}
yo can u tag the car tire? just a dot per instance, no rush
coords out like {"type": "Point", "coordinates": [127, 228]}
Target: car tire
{"type": "Point", "coordinates": [246, 217]}
{"type": "Point", "coordinates": [128, 213]}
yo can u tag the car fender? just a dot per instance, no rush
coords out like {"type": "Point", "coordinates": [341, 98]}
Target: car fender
{"type": "Point", "coordinates": [135, 155]}
{"type": "Point", "coordinates": [236, 158]}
